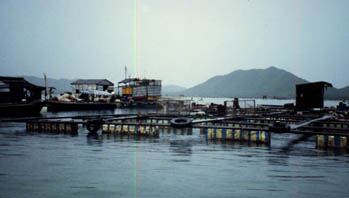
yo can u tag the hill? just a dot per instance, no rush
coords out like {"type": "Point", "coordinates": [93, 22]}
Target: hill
{"type": "Point", "coordinates": [61, 85]}
{"type": "Point", "coordinates": [271, 82]}
{"type": "Point", "coordinates": [333, 93]}
{"type": "Point", "coordinates": [171, 89]}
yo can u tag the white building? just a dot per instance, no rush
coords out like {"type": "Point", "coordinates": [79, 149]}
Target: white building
{"type": "Point", "coordinates": [89, 85]}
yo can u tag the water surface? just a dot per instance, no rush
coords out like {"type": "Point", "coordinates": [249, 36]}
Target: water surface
{"type": "Point", "coordinates": [48, 165]}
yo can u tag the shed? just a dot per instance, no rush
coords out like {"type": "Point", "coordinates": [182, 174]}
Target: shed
{"type": "Point", "coordinates": [311, 95]}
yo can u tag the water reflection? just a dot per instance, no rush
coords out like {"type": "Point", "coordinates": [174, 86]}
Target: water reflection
{"type": "Point", "coordinates": [279, 160]}
{"type": "Point", "coordinates": [108, 137]}
{"type": "Point", "coordinates": [94, 140]}
{"type": "Point", "coordinates": [323, 152]}
{"type": "Point", "coordinates": [100, 112]}
{"type": "Point", "coordinates": [228, 145]}
{"type": "Point", "coordinates": [78, 113]}
{"type": "Point", "coordinates": [181, 147]}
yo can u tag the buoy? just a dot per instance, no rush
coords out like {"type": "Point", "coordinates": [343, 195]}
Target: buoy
{"type": "Point", "coordinates": [181, 122]}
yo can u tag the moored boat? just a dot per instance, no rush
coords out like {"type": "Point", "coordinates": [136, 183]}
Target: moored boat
{"type": "Point", "coordinates": [21, 109]}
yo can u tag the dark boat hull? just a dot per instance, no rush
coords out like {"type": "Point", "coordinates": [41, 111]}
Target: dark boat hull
{"type": "Point", "coordinates": [142, 104]}
{"type": "Point", "coordinates": [151, 105]}
{"type": "Point", "coordinates": [21, 109]}
{"type": "Point", "coordinates": [54, 106]}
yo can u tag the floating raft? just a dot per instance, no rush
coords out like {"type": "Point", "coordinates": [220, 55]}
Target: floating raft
{"type": "Point", "coordinates": [256, 136]}
{"type": "Point", "coordinates": [330, 141]}
{"type": "Point", "coordinates": [329, 132]}
{"type": "Point", "coordinates": [175, 131]}
{"type": "Point", "coordinates": [256, 132]}
{"type": "Point", "coordinates": [62, 127]}
{"type": "Point", "coordinates": [147, 128]}
{"type": "Point", "coordinates": [126, 129]}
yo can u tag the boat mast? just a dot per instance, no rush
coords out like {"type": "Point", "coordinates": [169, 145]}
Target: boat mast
{"type": "Point", "coordinates": [45, 78]}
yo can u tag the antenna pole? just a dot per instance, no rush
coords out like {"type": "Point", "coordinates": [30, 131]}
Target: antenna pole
{"type": "Point", "coordinates": [125, 72]}
{"type": "Point", "coordinates": [45, 79]}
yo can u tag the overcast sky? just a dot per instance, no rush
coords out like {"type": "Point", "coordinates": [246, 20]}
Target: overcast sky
{"type": "Point", "coordinates": [182, 42]}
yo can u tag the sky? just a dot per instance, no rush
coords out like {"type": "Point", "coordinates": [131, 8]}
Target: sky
{"type": "Point", "coordinates": [181, 42]}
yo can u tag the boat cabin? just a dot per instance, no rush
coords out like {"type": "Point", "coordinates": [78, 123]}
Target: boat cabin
{"type": "Point", "coordinates": [17, 89]}
{"type": "Point", "coordinates": [91, 85]}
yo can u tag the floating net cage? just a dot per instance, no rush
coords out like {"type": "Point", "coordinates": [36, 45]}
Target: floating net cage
{"type": "Point", "coordinates": [180, 106]}
{"type": "Point", "coordinates": [244, 105]}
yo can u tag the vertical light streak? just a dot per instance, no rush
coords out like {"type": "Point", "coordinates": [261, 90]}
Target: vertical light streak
{"type": "Point", "coordinates": [136, 36]}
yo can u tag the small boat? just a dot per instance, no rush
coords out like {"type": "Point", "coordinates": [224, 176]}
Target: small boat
{"type": "Point", "coordinates": [55, 106]}
{"type": "Point", "coordinates": [21, 109]}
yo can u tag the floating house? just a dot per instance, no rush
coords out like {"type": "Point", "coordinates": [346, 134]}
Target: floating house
{"type": "Point", "coordinates": [16, 89]}
{"type": "Point", "coordinates": [19, 97]}
{"type": "Point", "coordinates": [140, 89]}
{"type": "Point", "coordinates": [92, 86]}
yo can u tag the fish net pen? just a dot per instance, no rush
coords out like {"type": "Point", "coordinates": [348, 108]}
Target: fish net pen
{"type": "Point", "coordinates": [237, 106]}
{"type": "Point", "coordinates": [176, 106]}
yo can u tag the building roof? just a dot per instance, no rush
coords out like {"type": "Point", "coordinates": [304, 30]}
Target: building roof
{"type": "Point", "coordinates": [128, 80]}
{"type": "Point", "coordinates": [18, 82]}
{"type": "Point", "coordinates": [3, 85]}
{"type": "Point", "coordinates": [319, 83]}
{"type": "Point", "coordinates": [92, 82]}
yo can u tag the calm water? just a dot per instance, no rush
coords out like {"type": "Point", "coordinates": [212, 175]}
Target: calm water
{"type": "Point", "coordinates": [258, 101]}
{"type": "Point", "coordinates": [47, 165]}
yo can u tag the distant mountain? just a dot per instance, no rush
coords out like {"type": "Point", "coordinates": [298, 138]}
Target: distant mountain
{"type": "Point", "coordinates": [61, 85]}
{"type": "Point", "coordinates": [171, 89]}
{"type": "Point", "coordinates": [271, 82]}
{"type": "Point", "coordinates": [333, 93]}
